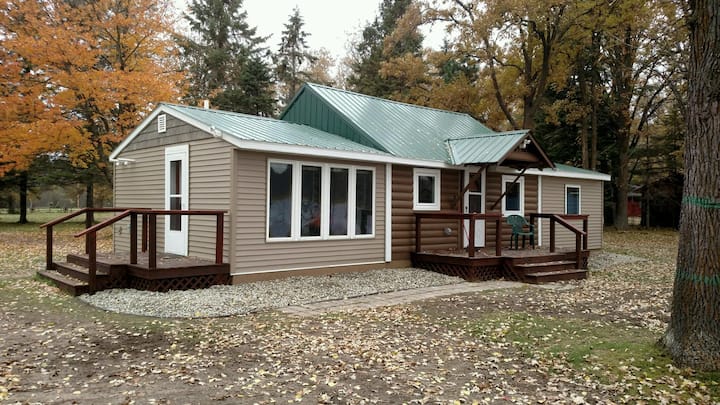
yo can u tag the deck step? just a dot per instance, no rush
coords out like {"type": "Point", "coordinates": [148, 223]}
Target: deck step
{"type": "Point", "coordinates": [544, 267]}
{"type": "Point", "coordinates": [77, 271]}
{"type": "Point", "coordinates": [66, 283]}
{"type": "Point", "coordinates": [558, 275]}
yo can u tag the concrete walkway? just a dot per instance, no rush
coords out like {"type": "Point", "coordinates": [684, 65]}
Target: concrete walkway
{"type": "Point", "coordinates": [395, 298]}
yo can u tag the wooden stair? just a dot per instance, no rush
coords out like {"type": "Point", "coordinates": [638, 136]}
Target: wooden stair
{"type": "Point", "coordinates": [548, 269]}
{"type": "Point", "coordinates": [72, 276]}
{"type": "Point", "coordinates": [66, 283]}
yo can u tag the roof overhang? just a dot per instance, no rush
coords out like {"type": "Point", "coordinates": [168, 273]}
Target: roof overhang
{"type": "Point", "coordinates": [272, 147]}
{"type": "Point", "coordinates": [515, 149]}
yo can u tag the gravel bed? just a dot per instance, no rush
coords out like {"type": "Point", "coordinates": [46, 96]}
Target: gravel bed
{"type": "Point", "coordinates": [224, 300]}
{"type": "Point", "coordinates": [603, 260]}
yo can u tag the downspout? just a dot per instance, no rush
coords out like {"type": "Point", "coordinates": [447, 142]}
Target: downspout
{"type": "Point", "coordinates": [388, 212]}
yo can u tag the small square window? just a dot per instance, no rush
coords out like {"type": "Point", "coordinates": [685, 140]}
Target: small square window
{"type": "Point", "coordinates": [161, 123]}
{"type": "Point", "coordinates": [426, 189]}
{"type": "Point", "coordinates": [513, 202]}
{"type": "Point", "coordinates": [572, 200]}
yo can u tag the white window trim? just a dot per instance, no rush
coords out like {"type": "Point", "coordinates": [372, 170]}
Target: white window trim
{"type": "Point", "coordinates": [325, 201]}
{"type": "Point", "coordinates": [567, 186]}
{"type": "Point", "coordinates": [161, 123]}
{"type": "Point", "coordinates": [521, 183]}
{"type": "Point", "coordinates": [417, 206]}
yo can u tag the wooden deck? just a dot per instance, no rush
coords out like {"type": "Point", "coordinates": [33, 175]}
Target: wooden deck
{"type": "Point", "coordinates": [115, 271]}
{"type": "Point", "coordinates": [147, 269]}
{"type": "Point", "coordinates": [526, 265]}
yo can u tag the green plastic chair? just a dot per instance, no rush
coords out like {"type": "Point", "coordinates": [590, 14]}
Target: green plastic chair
{"type": "Point", "coordinates": [518, 224]}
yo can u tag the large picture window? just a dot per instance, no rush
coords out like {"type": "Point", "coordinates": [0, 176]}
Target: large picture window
{"type": "Point", "coordinates": [319, 201]}
{"type": "Point", "coordinates": [280, 200]}
{"type": "Point", "coordinates": [572, 200]}
{"type": "Point", "coordinates": [426, 189]}
{"type": "Point", "coordinates": [513, 202]}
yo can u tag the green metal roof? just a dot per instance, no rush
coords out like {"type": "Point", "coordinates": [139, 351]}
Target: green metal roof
{"type": "Point", "coordinates": [572, 169]}
{"type": "Point", "coordinates": [484, 148]}
{"type": "Point", "coordinates": [403, 130]}
{"type": "Point", "coordinates": [253, 128]}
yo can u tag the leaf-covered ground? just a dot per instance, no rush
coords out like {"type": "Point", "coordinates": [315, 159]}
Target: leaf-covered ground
{"type": "Point", "coordinates": [582, 342]}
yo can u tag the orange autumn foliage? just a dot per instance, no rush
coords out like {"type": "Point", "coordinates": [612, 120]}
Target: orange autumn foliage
{"type": "Point", "coordinates": [78, 76]}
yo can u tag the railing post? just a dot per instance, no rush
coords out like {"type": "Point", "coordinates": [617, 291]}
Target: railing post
{"type": "Point", "coordinates": [133, 238]}
{"type": "Point", "coordinates": [471, 237]}
{"type": "Point", "coordinates": [418, 245]}
{"type": "Point", "coordinates": [552, 234]}
{"type": "Point", "coordinates": [144, 233]}
{"type": "Point", "coordinates": [498, 237]}
{"type": "Point", "coordinates": [585, 237]}
{"type": "Point", "coordinates": [219, 238]}
{"type": "Point", "coordinates": [89, 219]}
{"type": "Point", "coordinates": [49, 249]}
{"type": "Point", "coordinates": [152, 253]}
{"type": "Point", "coordinates": [90, 240]}
{"type": "Point", "coordinates": [578, 251]}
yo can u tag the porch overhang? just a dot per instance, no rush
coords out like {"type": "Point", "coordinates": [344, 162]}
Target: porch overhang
{"type": "Point", "coordinates": [515, 149]}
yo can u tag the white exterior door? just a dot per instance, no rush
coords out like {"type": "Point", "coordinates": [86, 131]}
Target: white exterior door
{"type": "Point", "coordinates": [474, 201]}
{"type": "Point", "coordinates": [176, 198]}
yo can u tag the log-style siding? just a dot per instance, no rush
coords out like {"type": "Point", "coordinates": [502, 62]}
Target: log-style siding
{"type": "Point", "coordinates": [141, 184]}
{"type": "Point", "coordinates": [403, 219]}
{"type": "Point", "coordinates": [591, 203]}
{"type": "Point", "coordinates": [253, 253]}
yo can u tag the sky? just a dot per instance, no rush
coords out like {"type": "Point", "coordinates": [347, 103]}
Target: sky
{"type": "Point", "coordinates": [330, 23]}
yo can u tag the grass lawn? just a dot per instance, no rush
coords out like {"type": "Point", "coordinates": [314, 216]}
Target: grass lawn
{"type": "Point", "coordinates": [592, 341]}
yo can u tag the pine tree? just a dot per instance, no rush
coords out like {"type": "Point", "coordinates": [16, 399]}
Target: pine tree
{"type": "Point", "coordinates": [373, 50]}
{"type": "Point", "coordinates": [225, 59]}
{"type": "Point", "coordinates": [293, 57]}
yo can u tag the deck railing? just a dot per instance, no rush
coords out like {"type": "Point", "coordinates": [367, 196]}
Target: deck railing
{"type": "Point", "coordinates": [148, 234]}
{"type": "Point", "coordinates": [581, 242]}
{"type": "Point", "coordinates": [459, 216]}
{"type": "Point", "coordinates": [581, 237]}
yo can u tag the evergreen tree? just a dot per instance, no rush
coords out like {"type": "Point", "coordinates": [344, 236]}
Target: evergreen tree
{"type": "Point", "coordinates": [373, 50]}
{"type": "Point", "coordinates": [225, 59]}
{"type": "Point", "coordinates": [293, 57]}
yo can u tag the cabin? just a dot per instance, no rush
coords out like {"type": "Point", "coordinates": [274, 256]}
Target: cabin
{"type": "Point", "coordinates": [340, 182]}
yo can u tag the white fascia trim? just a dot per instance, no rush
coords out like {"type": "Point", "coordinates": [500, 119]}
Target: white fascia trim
{"type": "Point", "coordinates": [279, 147]}
{"type": "Point", "coordinates": [388, 212]}
{"type": "Point", "coordinates": [554, 173]}
{"type": "Point", "coordinates": [306, 268]}
{"type": "Point", "coordinates": [539, 202]}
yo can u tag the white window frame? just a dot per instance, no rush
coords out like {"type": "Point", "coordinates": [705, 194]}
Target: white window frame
{"type": "Point", "coordinates": [162, 123]}
{"type": "Point", "coordinates": [521, 184]}
{"type": "Point", "coordinates": [567, 186]}
{"type": "Point", "coordinates": [296, 203]}
{"type": "Point", "coordinates": [418, 206]}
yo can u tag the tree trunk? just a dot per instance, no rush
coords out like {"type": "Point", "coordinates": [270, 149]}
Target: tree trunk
{"type": "Point", "coordinates": [622, 182]}
{"type": "Point", "coordinates": [693, 335]}
{"type": "Point", "coordinates": [89, 194]}
{"type": "Point", "coordinates": [23, 197]}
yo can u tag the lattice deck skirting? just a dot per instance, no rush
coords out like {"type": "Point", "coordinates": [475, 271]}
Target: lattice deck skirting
{"type": "Point", "coordinates": [177, 283]}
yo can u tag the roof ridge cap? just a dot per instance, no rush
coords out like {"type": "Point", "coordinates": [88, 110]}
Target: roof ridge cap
{"type": "Point", "coordinates": [392, 101]}
{"type": "Point", "coordinates": [226, 112]}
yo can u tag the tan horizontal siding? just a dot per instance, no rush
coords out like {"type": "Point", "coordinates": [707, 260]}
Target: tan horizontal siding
{"type": "Point", "coordinates": [591, 204]}
{"type": "Point", "coordinates": [142, 184]}
{"type": "Point", "coordinates": [403, 217]}
{"type": "Point", "coordinates": [254, 254]}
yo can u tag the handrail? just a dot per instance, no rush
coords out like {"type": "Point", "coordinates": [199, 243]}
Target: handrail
{"type": "Point", "coordinates": [472, 217]}
{"type": "Point", "coordinates": [89, 211]}
{"type": "Point", "coordinates": [581, 237]}
{"type": "Point", "coordinates": [149, 216]}
{"type": "Point", "coordinates": [79, 212]}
